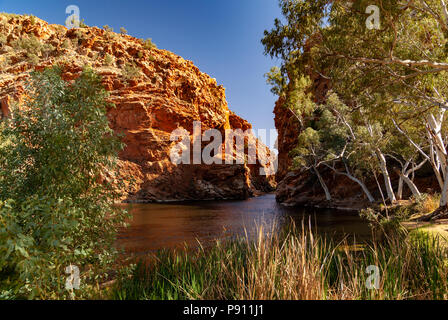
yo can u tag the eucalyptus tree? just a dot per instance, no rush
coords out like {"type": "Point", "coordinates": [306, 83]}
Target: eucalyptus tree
{"type": "Point", "coordinates": [332, 140]}
{"type": "Point", "coordinates": [401, 64]}
{"type": "Point", "coordinates": [382, 68]}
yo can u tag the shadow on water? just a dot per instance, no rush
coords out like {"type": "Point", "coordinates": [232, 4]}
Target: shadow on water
{"type": "Point", "coordinates": [159, 226]}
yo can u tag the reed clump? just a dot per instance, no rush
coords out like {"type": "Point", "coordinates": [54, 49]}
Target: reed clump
{"type": "Point", "coordinates": [293, 264]}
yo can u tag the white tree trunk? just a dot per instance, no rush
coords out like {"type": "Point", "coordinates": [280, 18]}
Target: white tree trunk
{"type": "Point", "coordinates": [387, 183]}
{"type": "Point", "coordinates": [444, 195]}
{"type": "Point", "coordinates": [363, 187]}
{"type": "Point", "coordinates": [400, 188]}
{"type": "Point", "coordinates": [436, 139]}
{"type": "Point", "coordinates": [322, 183]}
{"type": "Point", "coordinates": [436, 126]}
{"type": "Point", "coordinates": [404, 177]}
{"type": "Point", "coordinates": [412, 186]}
{"type": "Point", "coordinates": [353, 178]}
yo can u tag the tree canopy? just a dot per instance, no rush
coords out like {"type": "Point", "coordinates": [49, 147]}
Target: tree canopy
{"type": "Point", "coordinates": [390, 78]}
{"type": "Point", "coordinates": [56, 205]}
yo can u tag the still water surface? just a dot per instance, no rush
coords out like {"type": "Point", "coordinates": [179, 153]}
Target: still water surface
{"type": "Point", "coordinates": [158, 226]}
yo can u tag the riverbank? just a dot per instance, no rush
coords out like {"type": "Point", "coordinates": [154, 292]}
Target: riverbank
{"type": "Point", "coordinates": [294, 264]}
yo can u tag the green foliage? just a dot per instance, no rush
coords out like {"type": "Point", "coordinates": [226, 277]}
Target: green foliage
{"type": "Point", "coordinates": [108, 29]}
{"type": "Point", "coordinates": [374, 75]}
{"type": "Point", "coordinates": [9, 15]}
{"type": "Point", "coordinates": [79, 36]}
{"type": "Point", "coordinates": [33, 47]}
{"type": "Point", "coordinates": [56, 208]}
{"type": "Point", "coordinates": [131, 71]}
{"type": "Point", "coordinates": [123, 31]}
{"type": "Point", "coordinates": [276, 80]}
{"type": "Point", "coordinates": [109, 59]}
{"type": "Point", "coordinates": [67, 44]}
{"type": "Point", "coordinates": [148, 44]}
{"type": "Point", "coordinates": [426, 203]}
{"type": "Point", "coordinates": [82, 24]}
{"type": "Point", "coordinates": [6, 62]}
{"type": "Point", "coordinates": [3, 40]}
{"type": "Point", "coordinates": [33, 59]}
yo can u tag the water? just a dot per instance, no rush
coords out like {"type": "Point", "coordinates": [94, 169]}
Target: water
{"type": "Point", "coordinates": [158, 226]}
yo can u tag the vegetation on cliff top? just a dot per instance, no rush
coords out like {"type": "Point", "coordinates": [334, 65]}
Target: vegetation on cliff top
{"type": "Point", "coordinates": [21, 44]}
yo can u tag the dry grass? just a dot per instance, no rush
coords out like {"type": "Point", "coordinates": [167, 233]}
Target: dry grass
{"type": "Point", "coordinates": [428, 203]}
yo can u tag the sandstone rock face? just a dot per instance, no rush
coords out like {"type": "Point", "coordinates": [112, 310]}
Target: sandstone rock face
{"type": "Point", "coordinates": [166, 92]}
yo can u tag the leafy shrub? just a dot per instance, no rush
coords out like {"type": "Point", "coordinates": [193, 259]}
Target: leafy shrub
{"type": "Point", "coordinates": [56, 209]}
{"type": "Point", "coordinates": [108, 29]}
{"type": "Point", "coordinates": [109, 60]}
{"type": "Point", "coordinates": [5, 62]}
{"type": "Point", "coordinates": [82, 24]}
{"type": "Point", "coordinates": [33, 59]}
{"type": "Point", "coordinates": [75, 42]}
{"type": "Point", "coordinates": [123, 31]}
{"type": "Point", "coordinates": [387, 225]}
{"type": "Point", "coordinates": [78, 34]}
{"type": "Point", "coordinates": [33, 47]}
{"type": "Point", "coordinates": [148, 44]}
{"type": "Point", "coordinates": [9, 15]}
{"type": "Point", "coordinates": [67, 44]}
{"type": "Point", "coordinates": [130, 71]}
{"type": "Point", "coordinates": [3, 39]}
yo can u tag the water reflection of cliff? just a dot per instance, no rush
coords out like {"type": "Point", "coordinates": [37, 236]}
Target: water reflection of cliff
{"type": "Point", "coordinates": [157, 226]}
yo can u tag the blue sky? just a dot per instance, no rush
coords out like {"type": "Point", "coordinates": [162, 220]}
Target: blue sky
{"type": "Point", "coordinates": [222, 38]}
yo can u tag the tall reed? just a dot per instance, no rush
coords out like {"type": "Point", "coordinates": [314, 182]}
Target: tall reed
{"type": "Point", "coordinates": [292, 264]}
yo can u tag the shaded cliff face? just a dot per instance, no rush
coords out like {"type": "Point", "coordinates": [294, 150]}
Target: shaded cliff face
{"type": "Point", "coordinates": [154, 92]}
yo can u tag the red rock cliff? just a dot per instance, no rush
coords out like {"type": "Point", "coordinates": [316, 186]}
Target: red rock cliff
{"type": "Point", "coordinates": [166, 92]}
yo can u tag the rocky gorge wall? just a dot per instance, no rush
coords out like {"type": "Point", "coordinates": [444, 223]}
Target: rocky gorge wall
{"type": "Point", "coordinates": [166, 92]}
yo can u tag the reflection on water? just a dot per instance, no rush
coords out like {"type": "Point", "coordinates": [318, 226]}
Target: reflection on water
{"type": "Point", "coordinates": [158, 226]}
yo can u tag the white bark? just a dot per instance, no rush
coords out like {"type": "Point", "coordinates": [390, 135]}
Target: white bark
{"type": "Point", "coordinates": [385, 172]}
{"type": "Point", "coordinates": [353, 178]}
{"type": "Point", "coordinates": [435, 125]}
{"type": "Point", "coordinates": [412, 186]}
{"type": "Point", "coordinates": [437, 152]}
{"type": "Point", "coordinates": [404, 177]}
{"type": "Point", "coordinates": [444, 195]}
{"type": "Point", "coordinates": [438, 145]}
{"type": "Point", "coordinates": [322, 183]}
{"type": "Point", "coordinates": [400, 188]}
{"type": "Point", "coordinates": [363, 187]}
